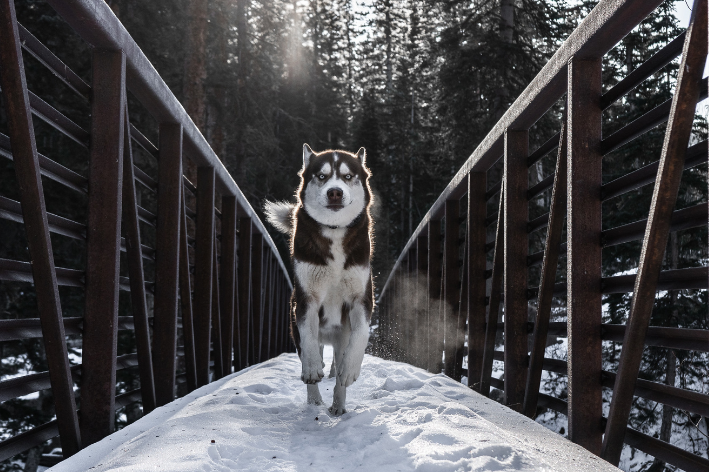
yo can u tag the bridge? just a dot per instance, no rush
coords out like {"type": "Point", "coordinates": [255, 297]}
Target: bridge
{"type": "Point", "coordinates": [205, 277]}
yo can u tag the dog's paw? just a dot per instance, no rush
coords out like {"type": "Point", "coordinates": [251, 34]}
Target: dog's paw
{"type": "Point", "coordinates": [337, 411]}
{"type": "Point", "coordinates": [315, 400]}
{"type": "Point", "coordinates": [348, 373]}
{"type": "Point", "coordinates": [311, 374]}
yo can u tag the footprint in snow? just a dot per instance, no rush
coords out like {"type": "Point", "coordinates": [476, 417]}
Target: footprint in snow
{"type": "Point", "coordinates": [261, 389]}
{"type": "Point", "coordinates": [392, 385]}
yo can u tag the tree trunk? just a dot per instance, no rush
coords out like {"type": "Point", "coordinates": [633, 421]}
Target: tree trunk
{"type": "Point", "coordinates": [218, 104]}
{"type": "Point", "coordinates": [241, 84]}
{"type": "Point", "coordinates": [195, 62]}
{"type": "Point", "coordinates": [507, 26]}
{"type": "Point", "coordinates": [32, 461]}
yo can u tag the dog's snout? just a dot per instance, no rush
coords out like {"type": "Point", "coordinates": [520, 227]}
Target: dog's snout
{"type": "Point", "coordinates": [334, 195]}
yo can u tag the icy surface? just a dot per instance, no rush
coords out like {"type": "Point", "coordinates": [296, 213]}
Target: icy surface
{"type": "Point", "coordinates": [399, 418]}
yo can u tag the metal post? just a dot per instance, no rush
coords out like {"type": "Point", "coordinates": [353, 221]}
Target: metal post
{"type": "Point", "coordinates": [475, 254]}
{"type": "Point", "coordinates": [451, 284]}
{"type": "Point", "coordinates": [186, 301]}
{"type": "Point", "coordinates": [241, 325]}
{"type": "Point", "coordinates": [203, 271]}
{"type": "Point", "coordinates": [515, 277]}
{"type": "Point", "coordinates": [583, 235]}
{"type": "Point", "coordinates": [134, 256]}
{"type": "Point", "coordinates": [435, 318]}
{"type": "Point", "coordinates": [256, 298]}
{"type": "Point", "coordinates": [167, 273]}
{"type": "Point", "coordinates": [216, 335]}
{"type": "Point", "coordinates": [100, 336]}
{"type": "Point", "coordinates": [228, 282]}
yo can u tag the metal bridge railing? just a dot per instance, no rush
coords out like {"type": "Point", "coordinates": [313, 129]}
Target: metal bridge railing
{"type": "Point", "coordinates": [219, 296]}
{"type": "Point", "coordinates": [462, 260]}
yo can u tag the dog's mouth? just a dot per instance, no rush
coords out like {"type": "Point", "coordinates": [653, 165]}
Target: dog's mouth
{"type": "Point", "coordinates": [335, 206]}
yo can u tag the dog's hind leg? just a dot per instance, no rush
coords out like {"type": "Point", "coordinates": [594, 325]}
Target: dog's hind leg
{"type": "Point", "coordinates": [333, 369]}
{"type": "Point", "coordinates": [314, 397]}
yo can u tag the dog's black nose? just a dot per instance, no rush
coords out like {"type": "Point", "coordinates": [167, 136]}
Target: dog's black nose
{"type": "Point", "coordinates": [334, 195]}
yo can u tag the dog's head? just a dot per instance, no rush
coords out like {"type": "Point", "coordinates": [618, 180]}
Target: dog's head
{"type": "Point", "coordinates": [334, 186]}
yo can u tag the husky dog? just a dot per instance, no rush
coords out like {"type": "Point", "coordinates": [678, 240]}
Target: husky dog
{"type": "Point", "coordinates": [331, 248]}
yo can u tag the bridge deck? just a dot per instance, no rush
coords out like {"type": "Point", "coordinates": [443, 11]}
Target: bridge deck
{"type": "Point", "coordinates": [399, 418]}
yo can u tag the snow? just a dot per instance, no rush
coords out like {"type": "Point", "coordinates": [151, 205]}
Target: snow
{"type": "Point", "coordinates": [400, 418]}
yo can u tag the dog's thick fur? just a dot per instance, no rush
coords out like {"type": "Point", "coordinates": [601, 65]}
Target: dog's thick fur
{"type": "Point", "coordinates": [331, 247]}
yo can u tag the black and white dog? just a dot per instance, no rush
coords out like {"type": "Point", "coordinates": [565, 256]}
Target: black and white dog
{"type": "Point", "coordinates": [331, 248]}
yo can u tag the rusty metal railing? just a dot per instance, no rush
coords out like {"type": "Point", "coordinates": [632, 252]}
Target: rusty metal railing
{"type": "Point", "coordinates": [220, 290]}
{"type": "Point", "coordinates": [441, 287]}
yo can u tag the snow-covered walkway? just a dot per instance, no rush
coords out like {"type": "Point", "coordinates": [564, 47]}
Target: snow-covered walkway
{"type": "Point", "coordinates": [400, 418]}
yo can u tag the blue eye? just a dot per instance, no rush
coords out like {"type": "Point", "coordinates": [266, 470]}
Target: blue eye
{"type": "Point", "coordinates": [321, 176]}
{"type": "Point", "coordinates": [348, 176]}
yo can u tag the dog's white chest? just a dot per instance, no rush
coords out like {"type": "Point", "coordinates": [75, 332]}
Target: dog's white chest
{"type": "Point", "coordinates": [332, 283]}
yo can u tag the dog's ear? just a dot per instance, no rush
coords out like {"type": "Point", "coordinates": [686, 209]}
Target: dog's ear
{"type": "Point", "coordinates": [307, 154]}
{"type": "Point", "coordinates": [362, 156]}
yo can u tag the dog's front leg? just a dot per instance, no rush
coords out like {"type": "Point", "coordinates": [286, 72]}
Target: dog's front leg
{"type": "Point", "coordinates": [308, 328]}
{"type": "Point", "coordinates": [349, 370]}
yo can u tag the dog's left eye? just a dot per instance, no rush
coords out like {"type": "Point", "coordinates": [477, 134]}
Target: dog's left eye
{"type": "Point", "coordinates": [348, 176]}
{"type": "Point", "coordinates": [321, 176]}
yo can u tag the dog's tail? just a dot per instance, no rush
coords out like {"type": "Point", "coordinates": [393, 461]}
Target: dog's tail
{"type": "Point", "coordinates": [280, 215]}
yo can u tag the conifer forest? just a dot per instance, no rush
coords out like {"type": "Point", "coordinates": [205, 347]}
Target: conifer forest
{"type": "Point", "coordinates": [418, 83]}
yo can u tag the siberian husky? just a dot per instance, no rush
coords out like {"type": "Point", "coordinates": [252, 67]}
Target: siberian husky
{"type": "Point", "coordinates": [331, 248]}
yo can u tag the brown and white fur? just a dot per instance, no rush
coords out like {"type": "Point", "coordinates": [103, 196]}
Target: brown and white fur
{"type": "Point", "coordinates": [331, 249]}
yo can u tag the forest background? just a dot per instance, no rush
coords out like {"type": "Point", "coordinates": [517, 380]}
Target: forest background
{"type": "Point", "coordinates": [418, 83]}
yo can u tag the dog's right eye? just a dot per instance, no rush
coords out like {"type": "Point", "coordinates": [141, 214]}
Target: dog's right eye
{"type": "Point", "coordinates": [321, 176]}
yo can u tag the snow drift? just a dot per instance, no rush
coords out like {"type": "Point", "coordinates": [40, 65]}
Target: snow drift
{"type": "Point", "coordinates": [400, 418]}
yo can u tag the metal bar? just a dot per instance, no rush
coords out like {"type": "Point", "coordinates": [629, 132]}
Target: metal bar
{"type": "Point", "coordinates": [435, 333]}
{"type": "Point", "coordinates": [100, 337]}
{"type": "Point", "coordinates": [547, 279]}
{"type": "Point", "coordinates": [276, 330]}
{"type": "Point", "coordinates": [186, 303]}
{"type": "Point", "coordinates": [204, 259]}
{"type": "Point", "coordinates": [686, 218]}
{"type": "Point", "coordinates": [27, 171]}
{"type": "Point", "coordinates": [422, 337]}
{"type": "Point", "coordinates": [663, 202]}
{"type": "Point", "coordinates": [644, 123]}
{"type": "Point", "coordinates": [167, 263]}
{"type": "Point", "coordinates": [696, 155]}
{"type": "Point", "coordinates": [659, 60]}
{"type": "Point", "coordinates": [29, 439]}
{"type": "Point", "coordinates": [256, 298]}
{"type": "Point", "coordinates": [548, 146]}
{"type": "Point", "coordinates": [47, 58]}
{"type": "Point", "coordinates": [451, 285]}
{"type": "Point", "coordinates": [241, 324]}
{"type": "Point", "coordinates": [494, 305]}
{"type": "Point", "coordinates": [29, 328]}
{"type": "Point", "coordinates": [266, 318]}
{"type": "Point", "coordinates": [671, 338]}
{"type": "Point", "coordinates": [216, 336]}
{"type": "Point", "coordinates": [228, 282]}
{"type": "Point", "coordinates": [477, 262]}
{"type": "Point", "coordinates": [583, 219]}
{"type": "Point", "coordinates": [50, 169]}
{"type": "Point", "coordinates": [515, 258]}
{"type": "Point", "coordinates": [134, 255]}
